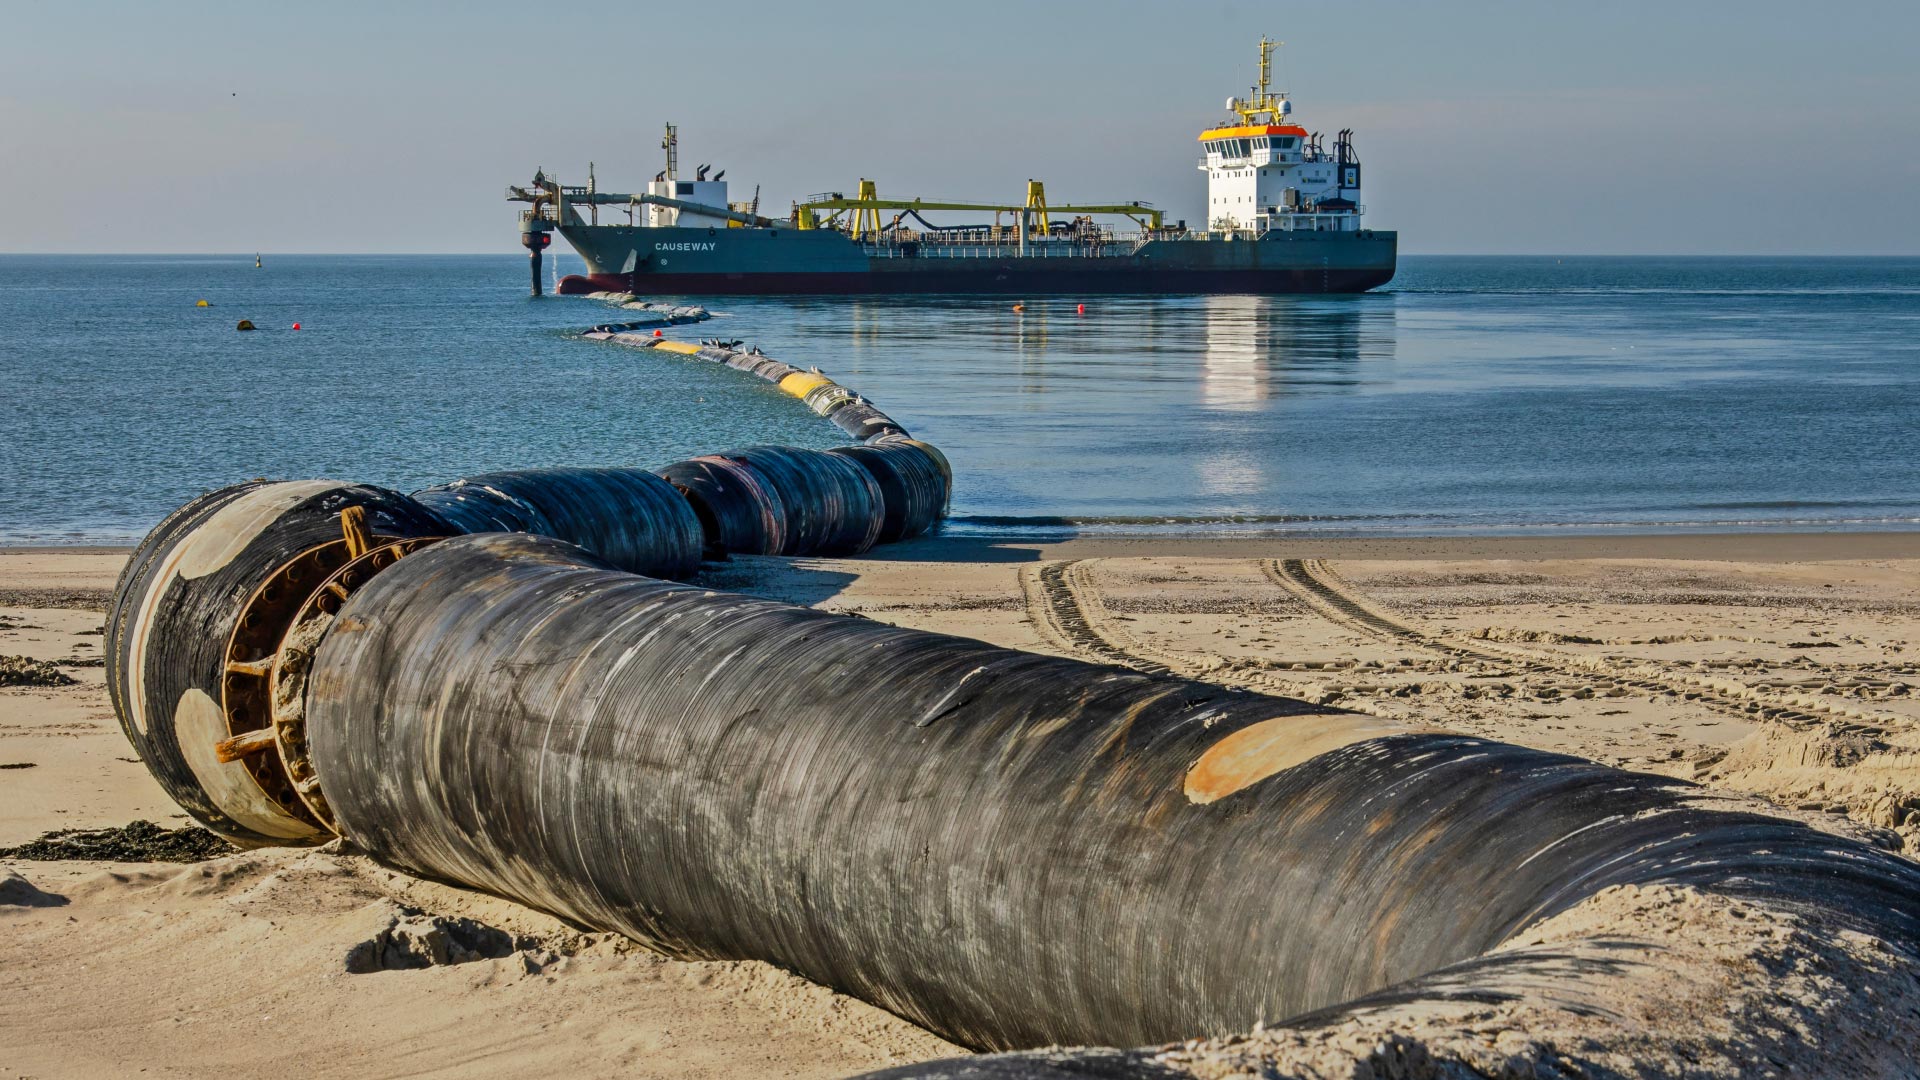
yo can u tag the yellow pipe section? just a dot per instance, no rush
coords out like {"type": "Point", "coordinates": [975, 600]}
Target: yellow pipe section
{"type": "Point", "coordinates": [802, 383]}
{"type": "Point", "coordinates": [682, 347]}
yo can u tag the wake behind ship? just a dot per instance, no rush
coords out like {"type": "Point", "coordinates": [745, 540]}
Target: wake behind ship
{"type": "Point", "coordinates": [1284, 216]}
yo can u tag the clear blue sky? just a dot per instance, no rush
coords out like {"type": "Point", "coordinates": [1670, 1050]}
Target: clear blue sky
{"type": "Point", "coordinates": [1682, 127]}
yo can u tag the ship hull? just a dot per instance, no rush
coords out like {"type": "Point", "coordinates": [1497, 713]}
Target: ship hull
{"type": "Point", "coordinates": [706, 262]}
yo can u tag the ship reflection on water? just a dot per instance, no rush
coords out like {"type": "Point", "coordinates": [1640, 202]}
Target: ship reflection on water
{"type": "Point", "coordinates": [1257, 346]}
{"type": "Point", "coordinates": [1236, 351]}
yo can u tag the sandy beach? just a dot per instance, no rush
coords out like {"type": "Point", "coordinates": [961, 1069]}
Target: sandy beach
{"type": "Point", "coordinates": [1776, 665]}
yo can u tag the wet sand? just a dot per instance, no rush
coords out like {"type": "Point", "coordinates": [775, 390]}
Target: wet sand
{"type": "Point", "coordinates": [1778, 665]}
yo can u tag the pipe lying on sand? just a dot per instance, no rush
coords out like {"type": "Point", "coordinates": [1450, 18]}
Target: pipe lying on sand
{"type": "Point", "coordinates": [208, 595]}
{"type": "Point", "coordinates": [1010, 849]}
{"type": "Point", "coordinates": [629, 517]}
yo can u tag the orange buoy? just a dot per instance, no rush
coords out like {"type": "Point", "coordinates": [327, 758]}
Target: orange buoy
{"type": "Point", "coordinates": [1019, 307]}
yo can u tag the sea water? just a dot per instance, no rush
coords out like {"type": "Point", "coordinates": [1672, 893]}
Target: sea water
{"type": "Point", "coordinates": [1470, 395]}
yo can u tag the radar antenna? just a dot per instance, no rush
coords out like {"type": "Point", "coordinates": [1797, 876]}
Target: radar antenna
{"type": "Point", "coordinates": [1264, 100]}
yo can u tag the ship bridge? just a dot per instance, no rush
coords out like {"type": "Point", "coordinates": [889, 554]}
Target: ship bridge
{"type": "Point", "coordinates": [1265, 172]}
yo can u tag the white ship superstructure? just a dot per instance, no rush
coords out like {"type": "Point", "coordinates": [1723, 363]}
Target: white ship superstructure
{"type": "Point", "coordinates": [1266, 172]}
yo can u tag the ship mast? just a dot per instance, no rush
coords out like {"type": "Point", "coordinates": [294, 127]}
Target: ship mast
{"type": "Point", "coordinates": [1263, 106]}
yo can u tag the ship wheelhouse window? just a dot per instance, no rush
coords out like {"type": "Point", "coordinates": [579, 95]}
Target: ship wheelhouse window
{"type": "Point", "coordinates": [1284, 142]}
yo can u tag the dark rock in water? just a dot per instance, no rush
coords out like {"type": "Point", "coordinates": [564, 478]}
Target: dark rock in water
{"type": "Point", "coordinates": [141, 841]}
{"type": "Point", "coordinates": [26, 671]}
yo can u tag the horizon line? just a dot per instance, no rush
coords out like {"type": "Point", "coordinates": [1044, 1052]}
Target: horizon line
{"type": "Point", "coordinates": [1404, 254]}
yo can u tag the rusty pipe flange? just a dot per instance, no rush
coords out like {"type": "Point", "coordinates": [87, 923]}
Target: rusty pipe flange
{"type": "Point", "coordinates": [264, 619]}
{"type": "Point", "coordinates": [293, 659]}
{"type": "Point", "coordinates": [272, 610]}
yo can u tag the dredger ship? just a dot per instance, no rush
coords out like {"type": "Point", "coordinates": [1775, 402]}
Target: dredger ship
{"type": "Point", "coordinates": [1283, 216]}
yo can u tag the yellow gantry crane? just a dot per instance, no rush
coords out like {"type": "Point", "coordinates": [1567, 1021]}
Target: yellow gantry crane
{"type": "Point", "coordinates": [866, 206]}
{"type": "Point", "coordinates": [1037, 200]}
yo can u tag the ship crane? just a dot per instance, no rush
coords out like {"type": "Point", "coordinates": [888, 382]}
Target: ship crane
{"type": "Point", "coordinates": [554, 204]}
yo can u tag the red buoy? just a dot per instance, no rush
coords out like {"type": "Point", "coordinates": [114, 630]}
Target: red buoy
{"type": "Point", "coordinates": [1080, 309]}
{"type": "Point", "coordinates": [296, 326]}
{"type": "Point", "coordinates": [656, 333]}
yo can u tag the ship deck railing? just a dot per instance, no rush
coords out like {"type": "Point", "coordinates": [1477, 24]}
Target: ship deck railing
{"type": "Point", "coordinates": [1033, 249]}
{"type": "Point", "coordinates": [1312, 221]}
{"type": "Point", "coordinates": [1347, 221]}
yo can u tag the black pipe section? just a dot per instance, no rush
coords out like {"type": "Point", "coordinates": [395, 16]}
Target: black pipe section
{"type": "Point", "coordinates": [535, 240]}
{"type": "Point", "coordinates": [630, 517]}
{"type": "Point", "coordinates": [739, 510]}
{"type": "Point", "coordinates": [1009, 849]}
{"type": "Point", "coordinates": [832, 506]}
{"type": "Point", "coordinates": [863, 421]}
{"type": "Point", "coordinates": [766, 367]}
{"type": "Point", "coordinates": [913, 491]}
{"type": "Point", "coordinates": [934, 455]}
{"type": "Point", "coordinates": [176, 625]}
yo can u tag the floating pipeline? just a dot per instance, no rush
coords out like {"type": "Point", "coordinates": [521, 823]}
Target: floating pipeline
{"type": "Point", "coordinates": [845, 408]}
{"type": "Point", "coordinates": [914, 479]}
{"type": "Point", "coordinates": [1010, 849]}
{"type": "Point", "coordinates": [660, 314]}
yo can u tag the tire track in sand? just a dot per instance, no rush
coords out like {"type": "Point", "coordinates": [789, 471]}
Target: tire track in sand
{"type": "Point", "coordinates": [1330, 596]}
{"type": "Point", "coordinates": [1054, 607]}
{"type": "Point", "coordinates": [1065, 605]}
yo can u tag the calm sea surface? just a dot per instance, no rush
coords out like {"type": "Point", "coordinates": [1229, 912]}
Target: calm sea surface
{"type": "Point", "coordinates": [1471, 395]}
